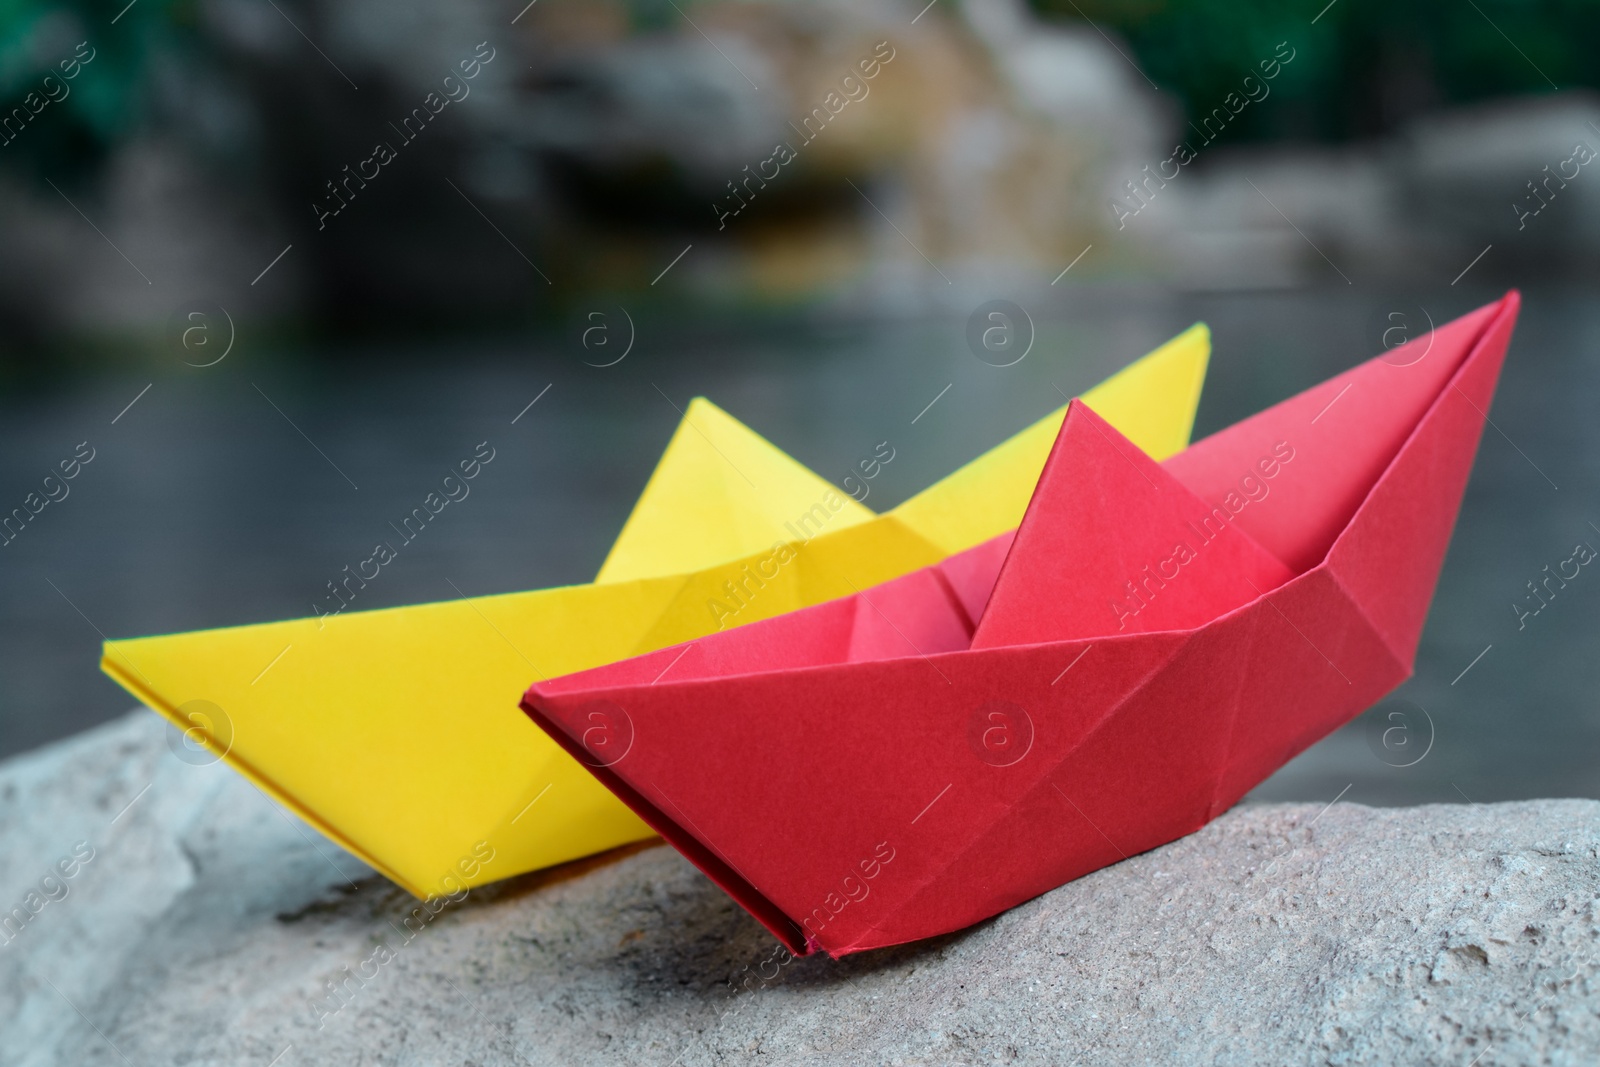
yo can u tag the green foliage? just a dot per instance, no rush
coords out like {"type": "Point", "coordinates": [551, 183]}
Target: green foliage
{"type": "Point", "coordinates": [1364, 67]}
{"type": "Point", "coordinates": [109, 96]}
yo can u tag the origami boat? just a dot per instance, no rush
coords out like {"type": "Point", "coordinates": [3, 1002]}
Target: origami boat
{"type": "Point", "coordinates": [1154, 641]}
{"type": "Point", "coordinates": [396, 732]}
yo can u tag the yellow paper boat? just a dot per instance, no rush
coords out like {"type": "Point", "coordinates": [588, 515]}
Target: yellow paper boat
{"type": "Point", "coordinates": [397, 732]}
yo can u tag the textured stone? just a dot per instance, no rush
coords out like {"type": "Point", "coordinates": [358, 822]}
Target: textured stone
{"type": "Point", "coordinates": [207, 922]}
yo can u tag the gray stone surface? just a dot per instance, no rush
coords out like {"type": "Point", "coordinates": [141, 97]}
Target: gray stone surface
{"type": "Point", "coordinates": [204, 927]}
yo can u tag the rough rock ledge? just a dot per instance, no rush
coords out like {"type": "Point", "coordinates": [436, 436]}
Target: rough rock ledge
{"type": "Point", "coordinates": [207, 922]}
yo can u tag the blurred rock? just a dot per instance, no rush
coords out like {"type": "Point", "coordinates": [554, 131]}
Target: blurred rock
{"type": "Point", "coordinates": [606, 136]}
{"type": "Point", "coordinates": [1412, 210]}
{"type": "Point", "coordinates": [159, 230]}
{"type": "Point", "coordinates": [1468, 177]}
{"type": "Point", "coordinates": [208, 925]}
{"type": "Point", "coordinates": [1269, 219]}
{"type": "Point", "coordinates": [971, 147]}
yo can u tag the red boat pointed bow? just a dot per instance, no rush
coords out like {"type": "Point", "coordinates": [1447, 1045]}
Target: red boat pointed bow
{"type": "Point", "coordinates": [911, 760]}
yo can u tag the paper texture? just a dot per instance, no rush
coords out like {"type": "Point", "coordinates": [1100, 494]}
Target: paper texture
{"type": "Point", "coordinates": [931, 751]}
{"type": "Point", "coordinates": [396, 732]}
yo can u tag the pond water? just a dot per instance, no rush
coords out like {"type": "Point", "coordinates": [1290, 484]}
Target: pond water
{"type": "Point", "coordinates": [232, 494]}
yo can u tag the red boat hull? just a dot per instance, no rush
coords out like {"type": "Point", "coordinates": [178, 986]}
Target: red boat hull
{"type": "Point", "coordinates": [907, 762]}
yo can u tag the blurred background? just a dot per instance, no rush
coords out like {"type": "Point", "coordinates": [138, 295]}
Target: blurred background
{"type": "Point", "coordinates": [277, 264]}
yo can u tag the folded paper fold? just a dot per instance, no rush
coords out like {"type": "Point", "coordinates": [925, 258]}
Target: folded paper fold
{"type": "Point", "coordinates": [896, 764]}
{"type": "Point", "coordinates": [396, 733]}
{"type": "Point", "coordinates": [1110, 535]}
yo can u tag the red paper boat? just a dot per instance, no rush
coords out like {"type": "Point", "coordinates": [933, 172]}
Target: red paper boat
{"type": "Point", "coordinates": [1159, 639]}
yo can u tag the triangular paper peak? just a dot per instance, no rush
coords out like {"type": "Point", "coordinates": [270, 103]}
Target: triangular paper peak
{"type": "Point", "coordinates": [853, 805]}
{"type": "Point", "coordinates": [1302, 467]}
{"type": "Point", "coordinates": [389, 730]}
{"type": "Point", "coordinates": [1112, 544]}
{"type": "Point", "coordinates": [721, 491]}
{"type": "Point", "coordinates": [1152, 401]}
